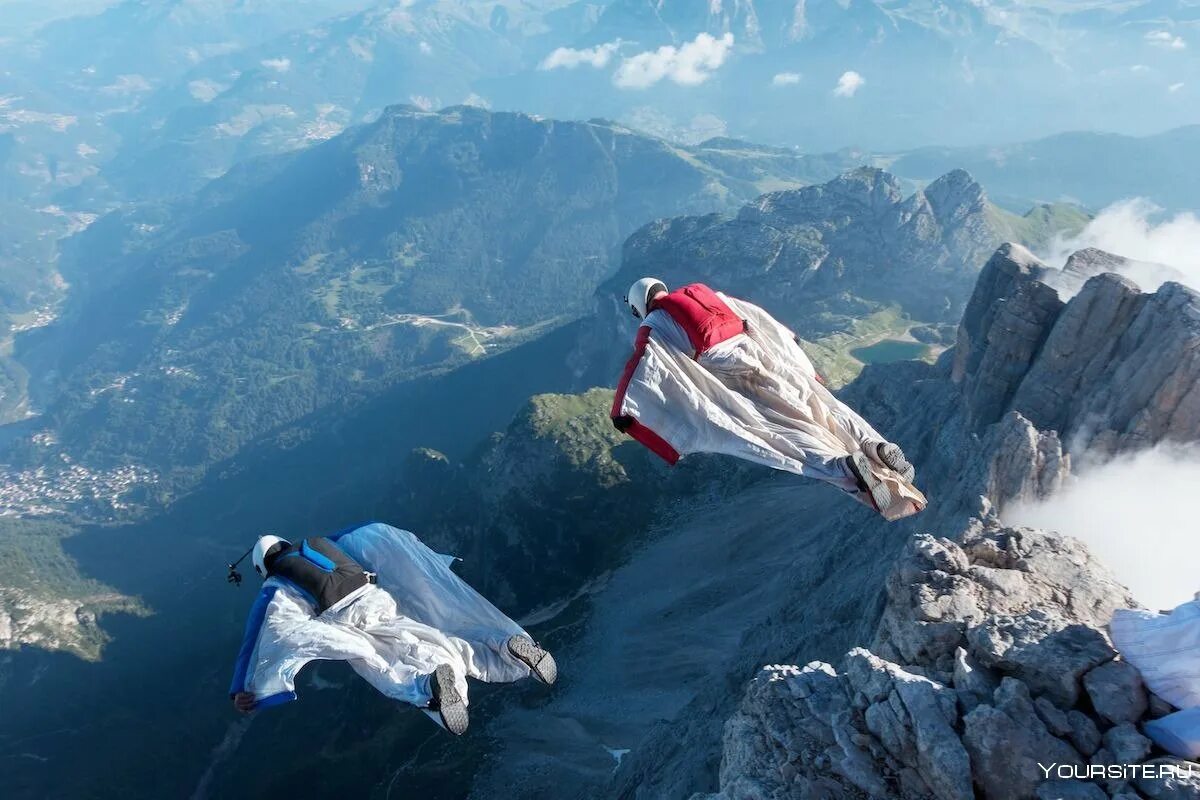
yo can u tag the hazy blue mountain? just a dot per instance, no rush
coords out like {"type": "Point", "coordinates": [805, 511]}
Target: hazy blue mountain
{"type": "Point", "coordinates": [1092, 169]}
{"type": "Point", "coordinates": [172, 94]}
{"type": "Point", "coordinates": [22, 17]}
{"type": "Point", "coordinates": [66, 85]}
{"type": "Point", "coordinates": [306, 86]}
{"type": "Point", "coordinates": [952, 72]}
{"type": "Point", "coordinates": [86, 54]}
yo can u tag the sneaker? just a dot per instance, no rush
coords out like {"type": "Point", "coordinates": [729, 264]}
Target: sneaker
{"type": "Point", "coordinates": [891, 456]}
{"type": "Point", "coordinates": [539, 661]}
{"type": "Point", "coordinates": [877, 490]}
{"type": "Point", "coordinates": [447, 701]}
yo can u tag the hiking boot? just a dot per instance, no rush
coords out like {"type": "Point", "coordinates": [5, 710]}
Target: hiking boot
{"type": "Point", "coordinates": [877, 490]}
{"type": "Point", "coordinates": [891, 456]}
{"type": "Point", "coordinates": [539, 661]}
{"type": "Point", "coordinates": [447, 701]}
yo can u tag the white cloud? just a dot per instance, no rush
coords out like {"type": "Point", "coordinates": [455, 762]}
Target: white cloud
{"type": "Point", "coordinates": [1135, 516]}
{"type": "Point", "coordinates": [1166, 39]}
{"type": "Point", "coordinates": [422, 102]}
{"type": "Point", "coordinates": [205, 90]}
{"type": "Point", "coordinates": [425, 48]}
{"type": "Point", "coordinates": [1139, 68]}
{"type": "Point", "coordinates": [689, 65]}
{"type": "Point", "coordinates": [280, 65]}
{"type": "Point", "coordinates": [786, 79]}
{"type": "Point", "coordinates": [568, 58]}
{"type": "Point", "coordinates": [1134, 229]}
{"type": "Point", "coordinates": [476, 100]}
{"type": "Point", "coordinates": [1174, 87]}
{"type": "Point", "coordinates": [848, 84]}
{"type": "Point", "coordinates": [128, 84]}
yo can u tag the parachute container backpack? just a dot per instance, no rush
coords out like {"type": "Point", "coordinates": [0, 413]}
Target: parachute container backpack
{"type": "Point", "coordinates": [704, 316]}
{"type": "Point", "coordinates": [320, 571]}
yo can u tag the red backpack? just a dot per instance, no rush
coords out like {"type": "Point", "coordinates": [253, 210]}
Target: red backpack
{"type": "Point", "coordinates": [704, 316]}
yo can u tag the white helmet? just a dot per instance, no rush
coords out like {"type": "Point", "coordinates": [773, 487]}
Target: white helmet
{"type": "Point", "coordinates": [261, 548]}
{"type": "Point", "coordinates": [638, 296]}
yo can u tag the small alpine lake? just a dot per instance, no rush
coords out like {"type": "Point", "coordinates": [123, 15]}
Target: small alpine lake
{"type": "Point", "coordinates": [888, 350]}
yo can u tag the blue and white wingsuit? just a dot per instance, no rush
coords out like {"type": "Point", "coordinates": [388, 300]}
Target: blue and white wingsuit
{"type": "Point", "coordinates": [393, 633]}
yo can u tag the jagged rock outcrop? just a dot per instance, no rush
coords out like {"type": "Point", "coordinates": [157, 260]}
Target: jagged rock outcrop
{"type": "Point", "coordinates": [1034, 378]}
{"type": "Point", "coordinates": [1003, 329]}
{"type": "Point", "coordinates": [832, 247]}
{"type": "Point", "coordinates": [989, 661]}
{"type": "Point", "coordinates": [1113, 368]}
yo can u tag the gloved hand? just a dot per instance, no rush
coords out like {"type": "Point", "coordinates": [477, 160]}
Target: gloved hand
{"type": "Point", "coordinates": [244, 702]}
{"type": "Point", "coordinates": [623, 422]}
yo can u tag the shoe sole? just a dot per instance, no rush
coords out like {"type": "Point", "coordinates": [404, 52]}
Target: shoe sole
{"type": "Point", "coordinates": [540, 662]}
{"type": "Point", "coordinates": [881, 496]}
{"type": "Point", "coordinates": [451, 707]}
{"type": "Point", "coordinates": [894, 453]}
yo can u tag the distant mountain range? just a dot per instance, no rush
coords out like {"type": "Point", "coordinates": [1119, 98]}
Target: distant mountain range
{"type": "Point", "coordinates": [152, 98]}
{"type": "Point", "coordinates": [415, 243]}
{"type": "Point", "coordinates": [1089, 169]}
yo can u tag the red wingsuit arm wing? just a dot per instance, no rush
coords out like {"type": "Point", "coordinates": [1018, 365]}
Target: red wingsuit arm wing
{"type": "Point", "coordinates": [655, 443]}
{"type": "Point", "coordinates": [639, 349]}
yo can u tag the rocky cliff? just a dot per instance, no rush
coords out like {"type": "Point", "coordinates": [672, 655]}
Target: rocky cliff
{"type": "Point", "coordinates": [983, 653]}
{"type": "Point", "coordinates": [1113, 367]}
{"type": "Point", "coordinates": [989, 672]}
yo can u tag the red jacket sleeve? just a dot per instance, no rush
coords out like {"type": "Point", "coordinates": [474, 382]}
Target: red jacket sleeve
{"type": "Point", "coordinates": [657, 445]}
{"type": "Point", "coordinates": [639, 349]}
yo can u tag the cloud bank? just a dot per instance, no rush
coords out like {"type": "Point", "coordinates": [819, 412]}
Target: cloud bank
{"type": "Point", "coordinates": [596, 57]}
{"type": "Point", "coordinates": [848, 84]}
{"type": "Point", "coordinates": [786, 79]}
{"type": "Point", "coordinates": [1137, 230]}
{"type": "Point", "coordinates": [1135, 514]}
{"type": "Point", "coordinates": [1166, 40]}
{"type": "Point", "coordinates": [689, 65]}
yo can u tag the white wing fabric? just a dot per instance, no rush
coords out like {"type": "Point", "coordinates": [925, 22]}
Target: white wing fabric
{"type": "Point", "coordinates": [419, 615]}
{"type": "Point", "coordinates": [755, 396]}
{"type": "Point", "coordinates": [1165, 649]}
{"type": "Point", "coordinates": [427, 590]}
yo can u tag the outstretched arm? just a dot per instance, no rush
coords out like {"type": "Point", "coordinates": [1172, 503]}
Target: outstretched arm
{"type": "Point", "coordinates": [282, 635]}
{"type": "Point", "coordinates": [621, 420]}
{"type": "Point", "coordinates": [258, 674]}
